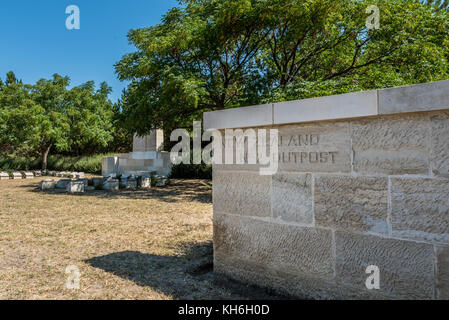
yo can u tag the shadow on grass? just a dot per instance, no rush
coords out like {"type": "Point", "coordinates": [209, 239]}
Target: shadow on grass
{"type": "Point", "coordinates": [188, 276]}
{"type": "Point", "coordinates": [185, 190]}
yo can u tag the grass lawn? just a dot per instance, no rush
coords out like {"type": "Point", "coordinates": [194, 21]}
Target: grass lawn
{"type": "Point", "coordinates": [154, 244]}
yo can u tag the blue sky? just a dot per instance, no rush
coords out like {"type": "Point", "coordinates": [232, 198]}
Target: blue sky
{"type": "Point", "coordinates": [35, 42]}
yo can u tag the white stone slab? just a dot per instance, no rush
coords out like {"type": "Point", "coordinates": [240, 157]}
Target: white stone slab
{"type": "Point", "coordinates": [351, 105]}
{"type": "Point", "coordinates": [239, 118]}
{"type": "Point", "coordinates": [421, 97]}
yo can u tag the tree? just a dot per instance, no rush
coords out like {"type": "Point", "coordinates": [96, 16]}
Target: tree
{"type": "Point", "coordinates": [215, 54]}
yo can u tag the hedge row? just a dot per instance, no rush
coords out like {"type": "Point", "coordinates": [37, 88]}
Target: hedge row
{"type": "Point", "coordinates": [92, 164]}
{"type": "Point", "coordinates": [88, 164]}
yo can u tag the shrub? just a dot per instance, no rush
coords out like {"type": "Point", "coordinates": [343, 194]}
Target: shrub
{"type": "Point", "coordinates": [191, 171]}
{"type": "Point", "coordinates": [88, 164]}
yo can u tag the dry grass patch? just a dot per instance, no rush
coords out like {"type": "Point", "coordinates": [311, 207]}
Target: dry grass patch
{"type": "Point", "coordinates": [153, 244]}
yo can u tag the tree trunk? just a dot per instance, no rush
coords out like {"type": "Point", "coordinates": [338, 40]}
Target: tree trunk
{"type": "Point", "coordinates": [45, 153]}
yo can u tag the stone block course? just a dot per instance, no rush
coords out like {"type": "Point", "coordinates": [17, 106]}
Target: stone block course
{"type": "Point", "coordinates": [357, 204]}
{"type": "Point", "coordinates": [420, 209]}
{"type": "Point", "coordinates": [406, 268]}
{"type": "Point", "coordinates": [292, 197]}
{"type": "Point", "coordinates": [244, 193]}
{"type": "Point", "coordinates": [391, 145]}
{"type": "Point", "coordinates": [259, 246]}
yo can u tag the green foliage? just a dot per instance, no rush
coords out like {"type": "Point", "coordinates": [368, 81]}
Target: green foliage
{"type": "Point", "coordinates": [216, 54]}
{"type": "Point", "coordinates": [88, 164]}
{"type": "Point", "coordinates": [191, 171]}
{"type": "Point", "coordinates": [35, 119]}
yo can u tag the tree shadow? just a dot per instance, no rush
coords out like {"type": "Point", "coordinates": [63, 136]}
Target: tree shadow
{"type": "Point", "coordinates": [177, 190]}
{"type": "Point", "coordinates": [187, 276]}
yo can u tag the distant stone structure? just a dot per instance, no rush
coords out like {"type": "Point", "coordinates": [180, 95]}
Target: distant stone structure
{"type": "Point", "coordinates": [146, 158]}
{"type": "Point", "coordinates": [362, 187]}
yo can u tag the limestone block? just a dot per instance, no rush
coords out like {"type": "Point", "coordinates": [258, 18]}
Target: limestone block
{"type": "Point", "coordinates": [292, 197]}
{"type": "Point", "coordinates": [75, 187]}
{"type": "Point", "coordinates": [358, 204]}
{"type": "Point", "coordinates": [85, 181]}
{"type": "Point", "coordinates": [239, 118]}
{"type": "Point", "coordinates": [4, 176]}
{"type": "Point", "coordinates": [111, 185]}
{"type": "Point", "coordinates": [62, 184]}
{"type": "Point", "coordinates": [37, 173]}
{"type": "Point", "coordinates": [440, 144]}
{"type": "Point", "coordinates": [47, 184]}
{"type": "Point", "coordinates": [17, 175]}
{"type": "Point", "coordinates": [146, 182]}
{"type": "Point", "coordinates": [420, 209]}
{"type": "Point", "coordinates": [28, 175]}
{"type": "Point", "coordinates": [349, 105]}
{"type": "Point", "coordinates": [244, 193]}
{"type": "Point", "coordinates": [420, 97]}
{"type": "Point", "coordinates": [161, 181]}
{"type": "Point", "coordinates": [320, 147]}
{"type": "Point", "coordinates": [259, 246]}
{"type": "Point", "coordinates": [131, 183]}
{"type": "Point", "coordinates": [442, 273]}
{"type": "Point", "coordinates": [406, 268]}
{"type": "Point", "coordinates": [391, 145]}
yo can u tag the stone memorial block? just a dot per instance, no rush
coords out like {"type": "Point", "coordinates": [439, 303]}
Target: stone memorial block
{"type": "Point", "coordinates": [48, 184]}
{"type": "Point", "coordinates": [361, 189]}
{"type": "Point", "coordinates": [85, 181]}
{"type": "Point", "coordinates": [145, 182]}
{"type": "Point", "coordinates": [28, 175]}
{"type": "Point", "coordinates": [75, 187]}
{"type": "Point", "coordinates": [4, 176]}
{"type": "Point", "coordinates": [131, 183]}
{"type": "Point", "coordinates": [37, 173]}
{"type": "Point", "coordinates": [17, 175]}
{"type": "Point", "coordinates": [62, 184]}
{"type": "Point", "coordinates": [111, 185]}
{"type": "Point", "coordinates": [319, 147]}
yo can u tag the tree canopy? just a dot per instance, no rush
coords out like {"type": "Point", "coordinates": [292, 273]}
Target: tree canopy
{"type": "Point", "coordinates": [215, 54]}
{"type": "Point", "coordinates": [36, 118]}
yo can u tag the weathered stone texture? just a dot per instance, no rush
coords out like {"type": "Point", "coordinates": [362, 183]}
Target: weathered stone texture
{"type": "Point", "coordinates": [259, 246]}
{"type": "Point", "coordinates": [440, 144]}
{"type": "Point", "coordinates": [406, 268]}
{"type": "Point", "coordinates": [352, 203]}
{"type": "Point", "coordinates": [320, 147]}
{"type": "Point", "coordinates": [442, 284]}
{"type": "Point", "coordinates": [420, 209]}
{"type": "Point", "coordinates": [292, 198]}
{"type": "Point", "coordinates": [391, 145]}
{"type": "Point", "coordinates": [243, 193]}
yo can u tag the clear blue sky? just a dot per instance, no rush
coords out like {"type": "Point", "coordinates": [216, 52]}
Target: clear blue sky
{"type": "Point", "coordinates": [35, 43]}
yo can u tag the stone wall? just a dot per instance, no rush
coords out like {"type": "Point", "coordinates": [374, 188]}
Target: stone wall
{"type": "Point", "coordinates": [349, 193]}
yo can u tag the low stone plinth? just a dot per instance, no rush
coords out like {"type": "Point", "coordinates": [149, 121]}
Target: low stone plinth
{"type": "Point", "coordinates": [28, 175]}
{"type": "Point", "coordinates": [4, 176]}
{"type": "Point", "coordinates": [62, 184]}
{"type": "Point", "coordinates": [75, 187]}
{"type": "Point", "coordinates": [111, 185]}
{"type": "Point", "coordinates": [17, 176]}
{"type": "Point", "coordinates": [48, 184]}
{"type": "Point", "coordinates": [85, 181]}
{"type": "Point", "coordinates": [360, 189]}
{"type": "Point", "coordinates": [145, 182]}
